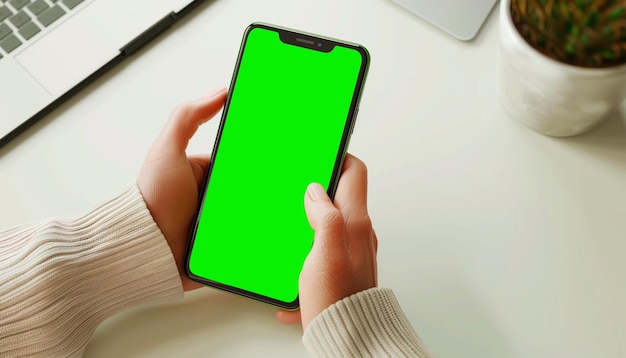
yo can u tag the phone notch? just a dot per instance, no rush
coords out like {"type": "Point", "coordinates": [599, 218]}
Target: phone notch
{"type": "Point", "coordinates": [310, 42]}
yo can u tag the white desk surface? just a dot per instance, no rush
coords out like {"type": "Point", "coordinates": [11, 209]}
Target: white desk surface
{"type": "Point", "coordinates": [499, 242]}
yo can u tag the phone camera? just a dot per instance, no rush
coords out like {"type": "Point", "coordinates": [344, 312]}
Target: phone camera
{"type": "Point", "coordinates": [319, 44]}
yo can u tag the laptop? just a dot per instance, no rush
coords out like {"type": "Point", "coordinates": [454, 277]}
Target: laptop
{"type": "Point", "coordinates": [460, 18]}
{"type": "Point", "coordinates": [50, 49]}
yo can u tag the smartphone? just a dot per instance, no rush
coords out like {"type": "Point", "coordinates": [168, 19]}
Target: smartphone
{"type": "Point", "coordinates": [287, 121]}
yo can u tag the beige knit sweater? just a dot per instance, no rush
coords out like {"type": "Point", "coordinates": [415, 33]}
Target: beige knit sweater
{"type": "Point", "coordinates": [61, 278]}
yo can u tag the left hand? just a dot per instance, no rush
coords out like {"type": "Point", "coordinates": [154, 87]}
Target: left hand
{"type": "Point", "coordinates": [170, 181]}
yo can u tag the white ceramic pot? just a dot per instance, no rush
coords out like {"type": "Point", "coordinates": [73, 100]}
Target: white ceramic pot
{"type": "Point", "coordinates": [548, 96]}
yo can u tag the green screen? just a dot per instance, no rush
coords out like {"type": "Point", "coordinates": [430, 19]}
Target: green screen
{"type": "Point", "coordinates": [282, 130]}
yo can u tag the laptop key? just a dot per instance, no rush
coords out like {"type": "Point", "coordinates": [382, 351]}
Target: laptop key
{"type": "Point", "coordinates": [5, 12]}
{"type": "Point", "coordinates": [19, 19]}
{"type": "Point", "coordinates": [19, 4]}
{"type": "Point", "coordinates": [4, 30]}
{"type": "Point", "coordinates": [38, 6]}
{"type": "Point", "coordinates": [51, 15]}
{"type": "Point", "coordinates": [72, 3]}
{"type": "Point", "coordinates": [29, 30]}
{"type": "Point", "coordinates": [10, 43]}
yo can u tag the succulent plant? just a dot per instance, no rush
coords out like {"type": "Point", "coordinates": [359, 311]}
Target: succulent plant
{"type": "Point", "coordinates": [587, 33]}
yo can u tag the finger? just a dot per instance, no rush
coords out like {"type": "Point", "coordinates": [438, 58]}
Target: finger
{"type": "Point", "coordinates": [199, 165]}
{"type": "Point", "coordinates": [351, 195]}
{"type": "Point", "coordinates": [288, 317]}
{"type": "Point", "coordinates": [319, 209]}
{"type": "Point", "coordinates": [187, 117]}
{"type": "Point", "coordinates": [326, 220]}
{"type": "Point", "coordinates": [351, 199]}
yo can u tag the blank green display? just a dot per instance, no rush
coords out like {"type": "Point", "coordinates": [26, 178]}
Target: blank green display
{"type": "Point", "coordinates": [282, 130]}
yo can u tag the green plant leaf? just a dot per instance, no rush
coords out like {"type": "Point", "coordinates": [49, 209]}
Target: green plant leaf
{"type": "Point", "coordinates": [606, 54]}
{"type": "Point", "coordinates": [593, 19]}
{"type": "Point", "coordinates": [584, 39]}
{"type": "Point", "coordinates": [617, 13]}
{"type": "Point", "coordinates": [582, 4]}
{"type": "Point", "coordinates": [608, 32]}
{"type": "Point", "coordinates": [588, 33]}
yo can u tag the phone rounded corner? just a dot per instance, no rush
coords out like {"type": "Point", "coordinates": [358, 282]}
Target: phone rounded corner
{"type": "Point", "coordinates": [187, 271]}
{"type": "Point", "coordinates": [255, 25]}
{"type": "Point", "coordinates": [365, 55]}
{"type": "Point", "coordinates": [195, 278]}
{"type": "Point", "coordinates": [291, 306]}
{"type": "Point", "coordinates": [187, 268]}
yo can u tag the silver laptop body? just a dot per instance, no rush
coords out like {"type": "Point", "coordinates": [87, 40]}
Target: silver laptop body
{"type": "Point", "coordinates": [52, 48]}
{"type": "Point", "coordinates": [459, 18]}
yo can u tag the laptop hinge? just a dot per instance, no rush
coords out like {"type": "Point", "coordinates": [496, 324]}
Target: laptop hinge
{"type": "Point", "coordinates": [154, 30]}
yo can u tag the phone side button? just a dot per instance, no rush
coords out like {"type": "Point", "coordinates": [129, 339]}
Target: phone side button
{"type": "Point", "coordinates": [356, 112]}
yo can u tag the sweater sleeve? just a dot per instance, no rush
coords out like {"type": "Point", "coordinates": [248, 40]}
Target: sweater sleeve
{"type": "Point", "coordinates": [367, 324]}
{"type": "Point", "coordinates": [59, 279]}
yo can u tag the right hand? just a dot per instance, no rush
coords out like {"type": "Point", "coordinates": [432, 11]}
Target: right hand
{"type": "Point", "coordinates": [342, 261]}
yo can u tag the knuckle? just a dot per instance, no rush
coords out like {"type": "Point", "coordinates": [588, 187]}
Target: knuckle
{"type": "Point", "coordinates": [333, 217]}
{"type": "Point", "coordinates": [375, 241]}
{"type": "Point", "coordinates": [366, 221]}
{"type": "Point", "coordinates": [361, 222]}
{"type": "Point", "coordinates": [361, 165]}
{"type": "Point", "coordinates": [358, 163]}
{"type": "Point", "coordinates": [333, 221]}
{"type": "Point", "coordinates": [182, 110]}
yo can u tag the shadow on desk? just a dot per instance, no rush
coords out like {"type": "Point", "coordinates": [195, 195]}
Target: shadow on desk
{"type": "Point", "coordinates": [206, 323]}
{"type": "Point", "coordinates": [609, 135]}
{"type": "Point", "coordinates": [605, 144]}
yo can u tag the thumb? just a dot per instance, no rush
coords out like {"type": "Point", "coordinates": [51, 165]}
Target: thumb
{"type": "Point", "coordinates": [186, 118]}
{"type": "Point", "coordinates": [325, 219]}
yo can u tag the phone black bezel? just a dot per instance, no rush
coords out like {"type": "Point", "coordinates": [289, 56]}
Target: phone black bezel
{"type": "Point", "coordinates": [296, 38]}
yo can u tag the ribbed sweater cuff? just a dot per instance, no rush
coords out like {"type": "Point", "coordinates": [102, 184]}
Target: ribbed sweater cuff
{"type": "Point", "coordinates": [61, 278]}
{"type": "Point", "coordinates": [367, 324]}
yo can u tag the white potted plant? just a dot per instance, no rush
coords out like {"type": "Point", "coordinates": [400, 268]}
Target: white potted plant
{"type": "Point", "coordinates": [562, 64]}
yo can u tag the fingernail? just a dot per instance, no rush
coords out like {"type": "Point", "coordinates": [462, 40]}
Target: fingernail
{"type": "Point", "coordinates": [214, 92]}
{"type": "Point", "coordinates": [315, 191]}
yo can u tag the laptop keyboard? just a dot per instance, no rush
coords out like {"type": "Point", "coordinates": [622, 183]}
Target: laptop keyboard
{"type": "Point", "coordinates": [21, 20]}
